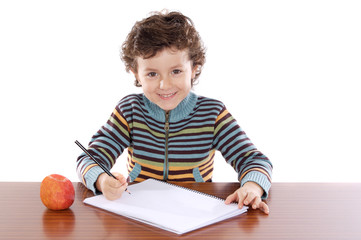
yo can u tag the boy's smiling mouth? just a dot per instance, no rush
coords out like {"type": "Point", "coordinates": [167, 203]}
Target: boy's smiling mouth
{"type": "Point", "coordinates": [167, 96]}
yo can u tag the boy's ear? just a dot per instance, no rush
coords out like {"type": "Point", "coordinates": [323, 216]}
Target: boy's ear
{"type": "Point", "coordinates": [136, 77]}
{"type": "Point", "coordinates": [195, 70]}
{"type": "Point", "coordinates": [134, 73]}
{"type": "Point", "coordinates": [132, 70]}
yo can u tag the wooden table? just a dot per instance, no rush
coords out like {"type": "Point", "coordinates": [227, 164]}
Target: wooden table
{"type": "Point", "coordinates": [297, 211]}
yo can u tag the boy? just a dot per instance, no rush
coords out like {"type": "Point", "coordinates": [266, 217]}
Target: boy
{"type": "Point", "coordinates": [170, 132]}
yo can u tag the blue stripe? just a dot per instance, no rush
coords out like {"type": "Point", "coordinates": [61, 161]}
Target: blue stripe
{"type": "Point", "coordinates": [153, 126]}
{"type": "Point", "coordinates": [115, 132]}
{"type": "Point", "coordinates": [115, 153]}
{"type": "Point", "coordinates": [189, 148]}
{"type": "Point", "coordinates": [236, 156]}
{"type": "Point", "coordinates": [231, 151]}
{"type": "Point", "coordinates": [147, 136]}
{"type": "Point", "coordinates": [197, 175]}
{"type": "Point", "coordinates": [194, 137]}
{"type": "Point", "coordinates": [138, 144]}
{"type": "Point", "coordinates": [149, 154]}
{"type": "Point", "coordinates": [103, 158]}
{"type": "Point", "coordinates": [135, 172]}
{"type": "Point", "coordinates": [188, 156]}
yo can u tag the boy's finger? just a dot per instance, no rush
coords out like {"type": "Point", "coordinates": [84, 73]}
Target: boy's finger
{"type": "Point", "coordinates": [242, 195]}
{"type": "Point", "coordinates": [115, 183]}
{"type": "Point", "coordinates": [250, 197]}
{"type": "Point", "coordinates": [120, 177]}
{"type": "Point", "coordinates": [110, 194]}
{"type": "Point", "coordinates": [264, 207]}
{"type": "Point", "coordinates": [256, 203]}
{"type": "Point", "coordinates": [124, 186]}
{"type": "Point", "coordinates": [231, 198]}
{"type": "Point", "coordinates": [122, 189]}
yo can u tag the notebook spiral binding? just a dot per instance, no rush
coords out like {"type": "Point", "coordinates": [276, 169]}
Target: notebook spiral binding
{"type": "Point", "coordinates": [192, 190]}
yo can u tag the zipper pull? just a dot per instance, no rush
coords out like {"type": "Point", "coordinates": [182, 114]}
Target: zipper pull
{"type": "Point", "coordinates": [166, 126]}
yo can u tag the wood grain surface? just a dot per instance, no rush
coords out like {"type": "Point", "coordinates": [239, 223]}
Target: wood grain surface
{"type": "Point", "coordinates": [297, 211]}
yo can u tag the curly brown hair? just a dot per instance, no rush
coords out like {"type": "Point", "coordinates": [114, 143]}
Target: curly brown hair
{"type": "Point", "coordinates": [159, 31]}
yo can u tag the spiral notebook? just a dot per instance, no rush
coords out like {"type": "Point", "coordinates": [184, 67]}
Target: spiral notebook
{"type": "Point", "coordinates": [168, 206]}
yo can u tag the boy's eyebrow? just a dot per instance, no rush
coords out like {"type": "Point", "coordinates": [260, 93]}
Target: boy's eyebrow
{"type": "Point", "coordinates": [150, 69]}
{"type": "Point", "coordinates": [178, 66]}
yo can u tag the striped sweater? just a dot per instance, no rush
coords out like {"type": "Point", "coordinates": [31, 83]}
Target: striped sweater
{"type": "Point", "coordinates": [176, 146]}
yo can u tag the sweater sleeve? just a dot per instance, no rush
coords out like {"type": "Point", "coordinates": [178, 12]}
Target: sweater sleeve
{"type": "Point", "coordinates": [106, 146]}
{"type": "Point", "coordinates": [237, 149]}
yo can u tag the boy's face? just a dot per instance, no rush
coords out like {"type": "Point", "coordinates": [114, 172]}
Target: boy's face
{"type": "Point", "coordinates": [166, 77]}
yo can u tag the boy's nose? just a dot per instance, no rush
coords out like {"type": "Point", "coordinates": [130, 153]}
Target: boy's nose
{"type": "Point", "coordinates": [165, 83]}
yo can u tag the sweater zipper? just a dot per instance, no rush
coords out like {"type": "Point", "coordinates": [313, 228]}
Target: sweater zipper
{"type": "Point", "coordinates": [166, 164]}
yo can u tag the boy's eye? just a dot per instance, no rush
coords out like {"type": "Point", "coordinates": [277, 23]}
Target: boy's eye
{"type": "Point", "coordinates": [152, 74]}
{"type": "Point", "coordinates": [177, 71]}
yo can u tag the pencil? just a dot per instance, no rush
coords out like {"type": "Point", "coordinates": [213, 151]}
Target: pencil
{"type": "Point", "coordinates": [96, 161]}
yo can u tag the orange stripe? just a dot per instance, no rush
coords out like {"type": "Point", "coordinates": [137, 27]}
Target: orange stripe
{"type": "Point", "coordinates": [152, 175]}
{"type": "Point", "coordinates": [258, 170]}
{"type": "Point", "coordinates": [206, 169]}
{"type": "Point", "coordinates": [209, 176]}
{"type": "Point", "coordinates": [180, 176]}
{"type": "Point", "coordinates": [139, 179]}
{"type": "Point", "coordinates": [130, 166]}
{"type": "Point", "coordinates": [86, 170]}
{"type": "Point", "coordinates": [121, 119]}
{"type": "Point", "coordinates": [160, 168]}
{"type": "Point", "coordinates": [130, 150]}
{"type": "Point", "coordinates": [206, 166]}
{"type": "Point", "coordinates": [225, 112]}
{"type": "Point", "coordinates": [180, 168]}
{"type": "Point", "coordinates": [175, 182]}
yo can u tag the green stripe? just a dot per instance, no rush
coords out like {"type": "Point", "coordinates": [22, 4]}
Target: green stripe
{"type": "Point", "coordinates": [192, 130]}
{"type": "Point", "coordinates": [188, 164]}
{"type": "Point", "coordinates": [222, 124]}
{"type": "Point", "coordinates": [116, 123]}
{"type": "Point", "coordinates": [105, 152]}
{"type": "Point", "coordinates": [173, 164]}
{"type": "Point", "coordinates": [148, 162]}
{"type": "Point", "coordinates": [145, 127]}
{"type": "Point", "coordinates": [248, 153]}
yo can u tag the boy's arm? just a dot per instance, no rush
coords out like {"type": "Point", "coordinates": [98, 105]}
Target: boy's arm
{"type": "Point", "coordinates": [106, 146]}
{"type": "Point", "coordinates": [237, 149]}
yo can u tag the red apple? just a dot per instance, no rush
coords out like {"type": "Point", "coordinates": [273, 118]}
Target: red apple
{"type": "Point", "coordinates": [57, 192]}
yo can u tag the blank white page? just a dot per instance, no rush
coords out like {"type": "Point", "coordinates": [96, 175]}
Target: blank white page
{"type": "Point", "coordinates": [168, 206]}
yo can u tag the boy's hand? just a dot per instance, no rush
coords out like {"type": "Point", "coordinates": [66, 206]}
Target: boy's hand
{"type": "Point", "coordinates": [249, 194]}
{"type": "Point", "coordinates": [111, 188]}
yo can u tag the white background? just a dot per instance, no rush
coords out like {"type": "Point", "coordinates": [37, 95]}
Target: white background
{"type": "Point", "coordinates": [288, 71]}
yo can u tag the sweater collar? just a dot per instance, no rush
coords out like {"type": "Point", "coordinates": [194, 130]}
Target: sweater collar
{"type": "Point", "coordinates": [184, 108]}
